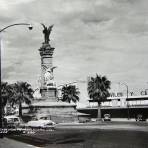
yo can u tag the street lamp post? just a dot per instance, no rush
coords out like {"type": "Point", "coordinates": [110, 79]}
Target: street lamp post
{"type": "Point", "coordinates": [26, 24]}
{"type": "Point", "coordinates": [2, 30]}
{"type": "Point", "coordinates": [127, 91]}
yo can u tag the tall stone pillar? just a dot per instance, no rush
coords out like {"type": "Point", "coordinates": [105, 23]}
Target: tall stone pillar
{"type": "Point", "coordinates": [48, 88]}
{"type": "Point", "coordinates": [46, 52]}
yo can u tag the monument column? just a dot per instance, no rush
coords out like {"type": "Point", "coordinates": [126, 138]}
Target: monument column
{"type": "Point", "coordinates": [46, 52]}
{"type": "Point", "coordinates": [48, 88]}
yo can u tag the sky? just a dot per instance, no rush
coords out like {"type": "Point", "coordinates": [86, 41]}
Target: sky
{"type": "Point", "coordinates": [107, 37]}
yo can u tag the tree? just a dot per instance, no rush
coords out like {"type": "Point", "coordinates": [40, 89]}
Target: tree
{"type": "Point", "coordinates": [6, 93]}
{"type": "Point", "coordinates": [70, 93]}
{"type": "Point", "coordinates": [3, 101]}
{"type": "Point", "coordinates": [22, 93]}
{"type": "Point", "coordinates": [98, 90]}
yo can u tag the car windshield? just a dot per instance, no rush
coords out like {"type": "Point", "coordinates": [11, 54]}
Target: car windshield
{"type": "Point", "coordinates": [16, 119]}
{"type": "Point", "coordinates": [44, 118]}
{"type": "Point", "coordinates": [49, 124]}
{"type": "Point", "coordinates": [106, 115]}
{"type": "Point", "coordinates": [34, 119]}
{"type": "Point", "coordinates": [10, 120]}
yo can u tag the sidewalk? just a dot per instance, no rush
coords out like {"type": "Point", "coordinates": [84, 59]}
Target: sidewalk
{"type": "Point", "coordinates": [125, 119]}
{"type": "Point", "coordinates": [8, 143]}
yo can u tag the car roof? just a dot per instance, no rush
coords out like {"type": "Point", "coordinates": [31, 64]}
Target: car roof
{"type": "Point", "coordinates": [106, 114]}
{"type": "Point", "coordinates": [11, 117]}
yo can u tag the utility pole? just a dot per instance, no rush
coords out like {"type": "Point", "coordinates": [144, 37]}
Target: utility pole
{"type": "Point", "coordinates": [127, 91]}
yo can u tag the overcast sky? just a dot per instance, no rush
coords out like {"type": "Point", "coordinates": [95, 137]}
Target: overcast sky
{"type": "Point", "coordinates": [108, 37]}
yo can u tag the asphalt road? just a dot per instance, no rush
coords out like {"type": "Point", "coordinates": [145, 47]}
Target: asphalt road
{"type": "Point", "coordinates": [106, 135]}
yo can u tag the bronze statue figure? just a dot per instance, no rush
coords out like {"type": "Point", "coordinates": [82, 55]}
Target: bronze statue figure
{"type": "Point", "coordinates": [46, 33]}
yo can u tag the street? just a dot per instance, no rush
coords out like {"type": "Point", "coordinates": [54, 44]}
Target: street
{"type": "Point", "coordinates": [106, 135]}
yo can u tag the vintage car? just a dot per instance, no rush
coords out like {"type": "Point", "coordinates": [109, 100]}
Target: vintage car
{"type": "Point", "coordinates": [140, 117]}
{"type": "Point", "coordinates": [11, 121]}
{"type": "Point", "coordinates": [41, 123]}
{"type": "Point", "coordinates": [107, 117]}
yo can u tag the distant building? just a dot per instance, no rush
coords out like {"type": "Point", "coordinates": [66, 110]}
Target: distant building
{"type": "Point", "coordinates": [120, 106]}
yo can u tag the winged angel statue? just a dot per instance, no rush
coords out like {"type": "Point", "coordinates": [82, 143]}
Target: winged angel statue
{"type": "Point", "coordinates": [47, 32]}
{"type": "Point", "coordinates": [49, 78]}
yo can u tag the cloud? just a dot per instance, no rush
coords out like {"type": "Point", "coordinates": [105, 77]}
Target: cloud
{"type": "Point", "coordinates": [6, 72]}
{"type": "Point", "coordinates": [107, 37]}
{"type": "Point", "coordinates": [6, 4]}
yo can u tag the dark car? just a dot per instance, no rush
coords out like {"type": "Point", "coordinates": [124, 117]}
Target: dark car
{"type": "Point", "coordinates": [107, 117]}
{"type": "Point", "coordinates": [140, 117]}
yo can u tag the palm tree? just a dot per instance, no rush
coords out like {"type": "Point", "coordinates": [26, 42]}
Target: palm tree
{"type": "Point", "coordinates": [70, 93]}
{"type": "Point", "coordinates": [98, 90]}
{"type": "Point", "coordinates": [22, 93]}
{"type": "Point", "coordinates": [6, 93]}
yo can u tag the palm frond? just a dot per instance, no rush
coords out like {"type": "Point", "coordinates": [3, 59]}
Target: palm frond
{"type": "Point", "coordinates": [70, 93]}
{"type": "Point", "coordinates": [98, 88]}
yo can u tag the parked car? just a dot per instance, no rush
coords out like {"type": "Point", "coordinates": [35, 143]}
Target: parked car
{"type": "Point", "coordinates": [11, 121]}
{"type": "Point", "coordinates": [107, 117]}
{"type": "Point", "coordinates": [140, 117]}
{"type": "Point", "coordinates": [44, 124]}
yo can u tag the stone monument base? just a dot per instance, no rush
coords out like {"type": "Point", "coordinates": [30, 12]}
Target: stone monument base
{"type": "Point", "coordinates": [49, 94]}
{"type": "Point", "coordinates": [59, 112]}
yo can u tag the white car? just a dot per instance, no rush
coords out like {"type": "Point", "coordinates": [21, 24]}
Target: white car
{"type": "Point", "coordinates": [41, 124]}
{"type": "Point", "coordinates": [11, 121]}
